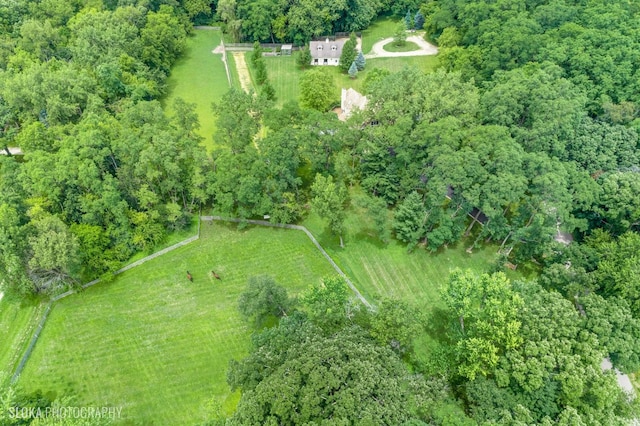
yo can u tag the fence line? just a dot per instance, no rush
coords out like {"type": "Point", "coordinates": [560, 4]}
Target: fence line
{"type": "Point", "coordinates": [224, 61]}
{"type": "Point", "coordinates": [32, 343]}
{"type": "Point", "coordinates": [311, 237]}
{"type": "Point", "coordinates": [54, 299]}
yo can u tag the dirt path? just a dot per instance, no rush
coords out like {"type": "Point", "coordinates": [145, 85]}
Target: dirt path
{"type": "Point", "coordinates": [377, 51]}
{"type": "Point", "coordinates": [243, 71]}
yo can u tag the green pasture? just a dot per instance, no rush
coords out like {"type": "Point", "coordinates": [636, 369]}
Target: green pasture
{"type": "Point", "coordinates": [158, 345]}
{"type": "Point", "coordinates": [18, 319]}
{"type": "Point", "coordinates": [283, 74]}
{"type": "Point", "coordinates": [381, 28]}
{"type": "Point", "coordinates": [199, 77]}
{"type": "Point", "coordinates": [380, 270]}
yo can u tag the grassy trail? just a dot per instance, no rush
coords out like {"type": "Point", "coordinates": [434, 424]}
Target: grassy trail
{"type": "Point", "coordinates": [199, 77]}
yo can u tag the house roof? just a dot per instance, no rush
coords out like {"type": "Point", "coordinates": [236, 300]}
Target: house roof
{"type": "Point", "coordinates": [326, 49]}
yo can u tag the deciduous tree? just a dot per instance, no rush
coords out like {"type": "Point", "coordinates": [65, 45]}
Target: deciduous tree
{"type": "Point", "coordinates": [317, 90]}
{"type": "Point", "coordinates": [263, 298]}
{"type": "Point", "coordinates": [328, 198]}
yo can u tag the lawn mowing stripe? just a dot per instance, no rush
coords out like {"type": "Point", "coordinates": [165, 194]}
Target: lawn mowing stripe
{"type": "Point", "coordinates": [183, 333]}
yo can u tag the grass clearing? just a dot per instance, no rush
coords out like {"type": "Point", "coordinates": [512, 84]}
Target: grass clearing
{"type": "Point", "coordinates": [284, 75]}
{"type": "Point", "coordinates": [199, 77]}
{"type": "Point", "coordinates": [18, 319]}
{"type": "Point", "coordinates": [407, 46]}
{"type": "Point", "coordinates": [380, 270]}
{"type": "Point", "coordinates": [381, 28]}
{"type": "Point", "coordinates": [158, 345]}
{"type": "Point", "coordinates": [425, 64]}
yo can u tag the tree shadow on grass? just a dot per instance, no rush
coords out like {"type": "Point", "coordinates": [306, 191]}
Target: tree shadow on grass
{"type": "Point", "coordinates": [368, 237]}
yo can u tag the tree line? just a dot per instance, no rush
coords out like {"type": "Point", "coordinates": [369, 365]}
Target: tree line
{"type": "Point", "coordinates": [298, 21]}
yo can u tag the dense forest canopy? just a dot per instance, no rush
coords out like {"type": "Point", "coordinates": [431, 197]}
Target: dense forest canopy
{"type": "Point", "coordinates": [105, 174]}
{"type": "Point", "coordinates": [300, 20]}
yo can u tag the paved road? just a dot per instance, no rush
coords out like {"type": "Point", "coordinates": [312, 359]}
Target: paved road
{"type": "Point", "coordinates": [623, 380]}
{"type": "Point", "coordinates": [426, 49]}
{"type": "Point", "coordinates": [12, 149]}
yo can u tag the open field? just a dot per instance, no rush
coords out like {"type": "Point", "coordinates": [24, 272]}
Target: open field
{"type": "Point", "coordinates": [284, 75]}
{"type": "Point", "coordinates": [17, 321]}
{"type": "Point", "coordinates": [158, 345]}
{"type": "Point", "coordinates": [199, 77]}
{"type": "Point", "coordinates": [380, 270]}
{"type": "Point", "coordinates": [380, 29]}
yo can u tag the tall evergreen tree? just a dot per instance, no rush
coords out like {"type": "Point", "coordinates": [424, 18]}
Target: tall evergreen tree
{"type": "Point", "coordinates": [408, 20]}
{"type": "Point", "coordinates": [348, 54]}
{"type": "Point", "coordinates": [303, 59]}
{"type": "Point", "coordinates": [418, 20]}
{"type": "Point", "coordinates": [360, 61]}
{"type": "Point", "coordinates": [353, 70]}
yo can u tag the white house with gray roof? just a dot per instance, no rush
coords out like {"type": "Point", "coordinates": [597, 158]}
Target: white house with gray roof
{"type": "Point", "coordinates": [326, 52]}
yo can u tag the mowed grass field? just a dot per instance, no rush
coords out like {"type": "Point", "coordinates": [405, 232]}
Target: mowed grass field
{"type": "Point", "coordinates": [381, 28]}
{"type": "Point", "coordinates": [18, 319]}
{"type": "Point", "coordinates": [158, 345]}
{"type": "Point", "coordinates": [199, 77]}
{"type": "Point", "coordinates": [380, 270]}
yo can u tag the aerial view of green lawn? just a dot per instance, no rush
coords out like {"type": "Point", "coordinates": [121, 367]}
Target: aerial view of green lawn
{"type": "Point", "coordinates": [157, 344]}
{"type": "Point", "coordinates": [388, 270]}
{"type": "Point", "coordinates": [284, 73]}
{"type": "Point", "coordinates": [17, 321]}
{"type": "Point", "coordinates": [202, 322]}
{"type": "Point", "coordinates": [381, 28]}
{"type": "Point", "coordinates": [199, 77]}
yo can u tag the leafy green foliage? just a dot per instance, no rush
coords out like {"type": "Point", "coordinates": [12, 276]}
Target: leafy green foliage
{"type": "Point", "coordinates": [344, 376]}
{"type": "Point", "coordinates": [619, 269]}
{"type": "Point", "coordinates": [618, 330]}
{"type": "Point", "coordinates": [348, 54]}
{"type": "Point", "coordinates": [328, 198]}
{"type": "Point", "coordinates": [326, 303]}
{"type": "Point", "coordinates": [396, 324]}
{"type": "Point", "coordinates": [262, 299]}
{"type": "Point", "coordinates": [486, 308]}
{"type": "Point", "coordinates": [303, 58]}
{"type": "Point", "coordinates": [400, 35]}
{"type": "Point", "coordinates": [409, 220]}
{"type": "Point", "coordinates": [317, 90]}
{"type": "Point", "coordinates": [106, 173]}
